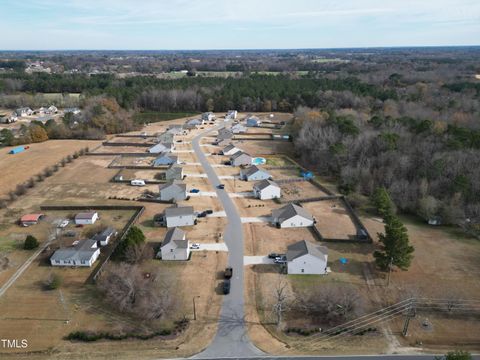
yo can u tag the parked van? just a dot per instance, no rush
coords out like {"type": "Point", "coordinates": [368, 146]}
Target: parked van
{"type": "Point", "coordinates": [137, 182]}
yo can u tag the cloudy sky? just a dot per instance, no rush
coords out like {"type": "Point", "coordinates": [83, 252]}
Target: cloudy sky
{"type": "Point", "coordinates": [236, 24]}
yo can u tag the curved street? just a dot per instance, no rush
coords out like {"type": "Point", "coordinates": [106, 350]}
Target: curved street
{"type": "Point", "coordinates": [231, 339]}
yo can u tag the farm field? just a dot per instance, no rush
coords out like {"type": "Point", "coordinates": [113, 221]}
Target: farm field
{"type": "Point", "coordinates": [18, 168]}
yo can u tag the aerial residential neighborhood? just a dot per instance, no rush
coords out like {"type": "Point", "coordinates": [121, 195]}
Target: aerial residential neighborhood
{"type": "Point", "coordinates": [257, 180]}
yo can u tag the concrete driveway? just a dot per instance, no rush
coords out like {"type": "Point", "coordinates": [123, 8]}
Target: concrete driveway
{"type": "Point", "coordinates": [211, 247]}
{"type": "Point", "coordinates": [257, 260]}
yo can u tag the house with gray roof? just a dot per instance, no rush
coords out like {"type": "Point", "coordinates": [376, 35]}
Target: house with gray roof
{"type": "Point", "coordinates": [23, 111]}
{"type": "Point", "coordinates": [292, 215]}
{"type": "Point", "coordinates": [195, 122]}
{"type": "Point", "coordinates": [174, 246]}
{"type": "Point", "coordinates": [175, 129]}
{"type": "Point", "coordinates": [82, 253]}
{"type": "Point", "coordinates": [173, 190]}
{"type": "Point", "coordinates": [174, 172]}
{"type": "Point", "coordinates": [165, 137]}
{"type": "Point", "coordinates": [254, 173]}
{"type": "Point", "coordinates": [238, 129]}
{"type": "Point", "coordinates": [240, 158]}
{"type": "Point", "coordinates": [161, 147]}
{"type": "Point", "coordinates": [266, 189]}
{"type": "Point", "coordinates": [223, 137]}
{"type": "Point", "coordinates": [230, 149]}
{"type": "Point", "coordinates": [165, 158]}
{"type": "Point", "coordinates": [306, 258]}
{"type": "Point", "coordinates": [104, 237]}
{"type": "Point", "coordinates": [176, 216]}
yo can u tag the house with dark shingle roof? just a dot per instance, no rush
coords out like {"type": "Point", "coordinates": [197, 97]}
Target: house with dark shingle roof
{"type": "Point", "coordinates": [174, 246]}
{"type": "Point", "coordinates": [230, 149]}
{"type": "Point", "coordinates": [254, 173]}
{"type": "Point", "coordinates": [240, 158]}
{"type": "Point", "coordinates": [306, 258]}
{"type": "Point", "coordinates": [266, 189]}
{"type": "Point", "coordinates": [292, 215]}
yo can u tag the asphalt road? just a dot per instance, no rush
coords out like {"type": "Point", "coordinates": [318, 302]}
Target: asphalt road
{"type": "Point", "coordinates": [348, 357]}
{"type": "Point", "coordinates": [231, 339]}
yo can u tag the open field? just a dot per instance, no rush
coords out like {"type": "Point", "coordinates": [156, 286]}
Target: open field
{"type": "Point", "coordinates": [151, 117]}
{"type": "Point", "coordinates": [18, 168]}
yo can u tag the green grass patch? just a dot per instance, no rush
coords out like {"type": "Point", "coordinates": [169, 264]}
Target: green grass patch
{"type": "Point", "coordinates": [154, 116]}
{"type": "Point", "coordinates": [278, 161]}
{"type": "Point", "coordinates": [7, 244]}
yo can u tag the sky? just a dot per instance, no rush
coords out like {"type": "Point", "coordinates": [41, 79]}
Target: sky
{"type": "Point", "coordinates": [235, 24]}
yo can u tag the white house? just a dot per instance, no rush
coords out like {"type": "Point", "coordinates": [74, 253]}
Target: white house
{"type": "Point", "coordinates": [86, 218]}
{"type": "Point", "coordinates": [208, 116]}
{"type": "Point", "coordinates": [306, 258]}
{"type": "Point", "coordinates": [176, 216]}
{"type": "Point", "coordinates": [23, 111]}
{"type": "Point", "coordinates": [266, 189]}
{"type": "Point", "coordinates": [82, 253]}
{"type": "Point", "coordinates": [238, 129]}
{"type": "Point", "coordinates": [4, 119]}
{"type": "Point", "coordinates": [104, 237]}
{"type": "Point", "coordinates": [175, 246]}
{"type": "Point", "coordinates": [230, 149]}
{"type": "Point", "coordinates": [254, 173]}
{"type": "Point", "coordinates": [231, 114]}
{"type": "Point", "coordinates": [173, 190]}
{"type": "Point", "coordinates": [161, 147]}
{"type": "Point", "coordinates": [292, 215]}
{"type": "Point", "coordinates": [240, 158]}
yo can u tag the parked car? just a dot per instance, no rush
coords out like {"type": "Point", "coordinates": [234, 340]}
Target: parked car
{"type": "Point", "coordinates": [195, 246]}
{"type": "Point", "coordinates": [208, 212]}
{"type": "Point", "coordinates": [221, 186]}
{"type": "Point", "coordinates": [273, 255]}
{"type": "Point", "coordinates": [226, 286]}
{"type": "Point", "coordinates": [280, 259]}
{"type": "Point", "coordinates": [179, 141]}
{"type": "Point", "coordinates": [228, 272]}
{"type": "Point", "coordinates": [79, 225]}
{"type": "Point", "coordinates": [63, 224]}
{"type": "Point", "coordinates": [194, 191]}
{"type": "Point", "coordinates": [70, 234]}
{"type": "Point", "coordinates": [202, 214]}
{"type": "Point", "coordinates": [227, 163]}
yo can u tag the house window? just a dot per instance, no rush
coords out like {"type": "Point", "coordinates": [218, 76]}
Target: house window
{"type": "Point", "coordinates": [303, 270]}
{"type": "Point", "coordinates": [171, 250]}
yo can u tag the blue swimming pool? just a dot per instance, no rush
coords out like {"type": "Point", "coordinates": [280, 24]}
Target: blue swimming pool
{"type": "Point", "coordinates": [258, 161]}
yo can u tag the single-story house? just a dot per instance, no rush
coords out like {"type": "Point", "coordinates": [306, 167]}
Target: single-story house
{"type": "Point", "coordinates": [195, 122]}
{"type": "Point", "coordinates": [231, 114]}
{"type": "Point", "coordinates": [230, 149]}
{"type": "Point", "coordinates": [208, 116]}
{"type": "Point", "coordinates": [104, 237]}
{"type": "Point", "coordinates": [254, 173]}
{"type": "Point", "coordinates": [161, 147]}
{"type": "Point", "coordinates": [224, 134]}
{"type": "Point", "coordinates": [306, 258]}
{"type": "Point", "coordinates": [74, 111]}
{"type": "Point", "coordinates": [173, 190]}
{"type": "Point", "coordinates": [292, 215]}
{"type": "Point", "coordinates": [238, 129]}
{"type": "Point", "coordinates": [86, 218]}
{"type": "Point", "coordinates": [23, 111]}
{"type": "Point", "coordinates": [31, 219]}
{"type": "Point", "coordinates": [174, 246]}
{"type": "Point", "coordinates": [165, 159]}
{"type": "Point", "coordinates": [179, 216]}
{"type": "Point", "coordinates": [266, 189]}
{"type": "Point", "coordinates": [253, 121]}
{"type": "Point", "coordinates": [240, 158]}
{"type": "Point", "coordinates": [174, 172]}
{"type": "Point", "coordinates": [175, 129]}
{"type": "Point", "coordinates": [83, 253]}
{"type": "Point", "coordinates": [165, 137]}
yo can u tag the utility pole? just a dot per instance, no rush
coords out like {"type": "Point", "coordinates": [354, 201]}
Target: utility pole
{"type": "Point", "coordinates": [411, 312]}
{"type": "Point", "coordinates": [389, 271]}
{"type": "Point", "coordinates": [194, 308]}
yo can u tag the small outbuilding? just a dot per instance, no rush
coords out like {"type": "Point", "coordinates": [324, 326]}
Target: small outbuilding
{"type": "Point", "coordinates": [266, 189]}
{"type": "Point", "coordinates": [104, 237]}
{"type": "Point", "coordinates": [173, 190]}
{"type": "Point", "coordinates": [86, 218]}
{"type": "Point", "coordinates": [292, 215]}
{"type": "Point", "coordinates": [307, 258]}
{"type": "Point", "coordinates": [240, 158]}
{"type": "Point", "coordinates": [254, 173]}
{"type": "Point", "coordinates": [174, 246]}
{"type": "Point", "coordinates": [31, 219]}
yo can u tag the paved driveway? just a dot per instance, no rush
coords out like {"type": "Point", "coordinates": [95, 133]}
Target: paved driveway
{"type": "Point", "coordinates": [256, 260]}
{"type": "Point", "coordinates": [231, 339]}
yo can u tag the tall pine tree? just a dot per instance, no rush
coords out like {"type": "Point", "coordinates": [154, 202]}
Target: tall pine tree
{"type": "Point", "coordinates": [396, 248]}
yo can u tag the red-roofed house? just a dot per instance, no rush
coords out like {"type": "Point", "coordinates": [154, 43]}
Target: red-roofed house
{"type": "Point", "coordinates": [30, 219]}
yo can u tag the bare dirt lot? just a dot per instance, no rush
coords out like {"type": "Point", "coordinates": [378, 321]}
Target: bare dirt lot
{"type": "Point", "coordinates": [18, 168]}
